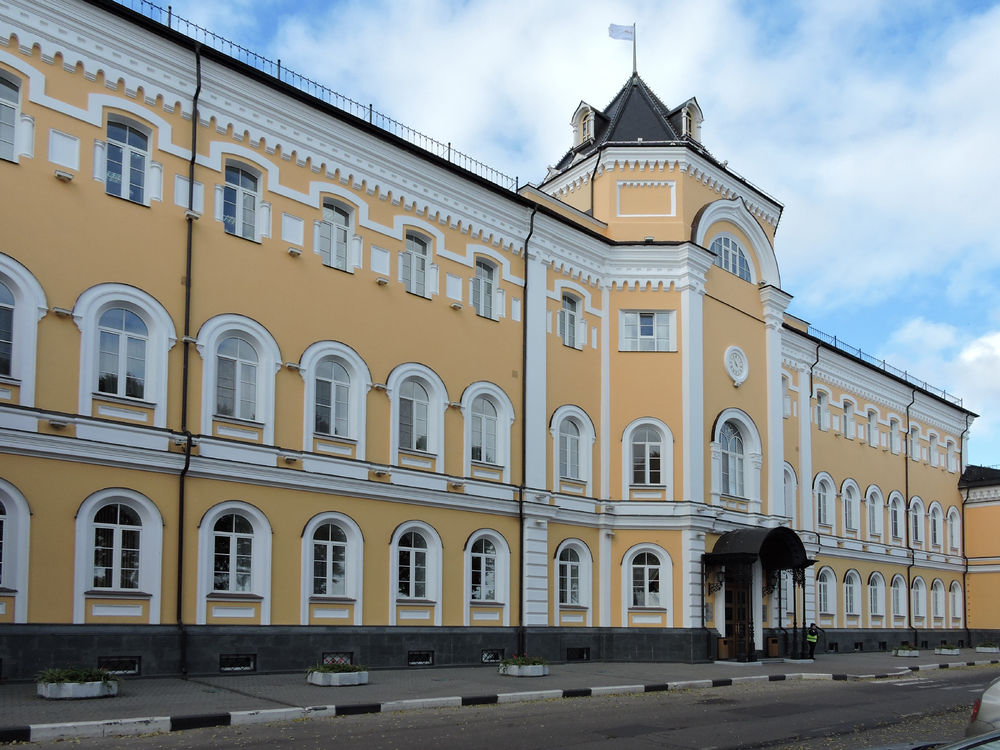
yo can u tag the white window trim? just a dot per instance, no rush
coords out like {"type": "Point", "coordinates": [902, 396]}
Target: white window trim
{"type": "Point", "coordinates": [502, 575]}
{"type": "Point", "coordinates": [354, 588]}
{"type": "Point", "coordinates": [438, 401]}
{"type": "Point", "coordinates": [790, 509]}
{"type": "Point", "coordinates": [212, 333]}
{"type": "Point", "coordinates": [161, 338]}
{"type": "Point", "coordinates": [30, 306]}
{"type": "Point", "coordinates": [898, 583]}
{"type": "Point", "coordinates": [938, 595]}
{"type": "Point", "coordinates": [831, 500]}
{"type": "Point", "coordinates": [954, 527]}
{"type": "Point", "coordinates": [431, 275]}
{"type": "Point", "coordinates": [361, 384]}
{"type": "Point", "coordinates": [941, 542]}
{"type": "Point", "coordinates": [832, 594]}
{"type": "Point", "coordinates": [153, 179]}
{"type": "Point", "coordinates": [262, 211]}
{"type": "Point", "coordinates": [666, 456]}
{"type": "Point", "coordinates": [956, 613]}
{"type": "Point", "coordinates": [16, 543]}
{"type": "Point", "coordinates": [497, 296]}
{"type": "Point", "coordinates": [759, 246]}
{"type": "Point", "coordinates": [747, 250]}
{"type": "Point", "coordinates": [897, 499]}
{"type": "Point", "coordinates": [19, 146]}
{"type": "Point", "coordinates": [260, 570]}
{"type": "Point", "coordinates": [671, 330]}
{"type": "Point", "coordinates": [586, 580]}
{"type": "Point", "coordinates": [588, 436]}
{"type": "Point", "coordinates": [666, 582]}
{"type": "Point", "coordinates": [753, 456]}
{"type": "Point", "coordinates": [856, 506]}
{"type": "Point", "coordinates": [579, 326]}
{"type": "Point", "coordinates": [354, 241]}
{"type": "Point", "coordinates": [434, 565]}
{"type": "Point", "coordinates": [916, 512]}
{"type": "Point", "coordinates": [873, 496]}
{"type": "Point", "coordinates": [918, 599]}
{"type": "Point", "coordinates": [855, 603]}
{"type": "Point", "coordinates": [505, 421]}
{"type": "Point", "coordinates": [822, 409]}
{"type": "Point", "coordinates": [876, 580]}
{"type": "Point", "coordinates": [150, 549]}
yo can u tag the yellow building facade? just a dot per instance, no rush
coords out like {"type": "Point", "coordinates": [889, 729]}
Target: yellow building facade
{"type": "Point", "coordinates": [279, 383]}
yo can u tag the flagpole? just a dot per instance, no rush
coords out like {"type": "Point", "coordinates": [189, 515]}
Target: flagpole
{"type": "Point", "coordinates": [633, 50]}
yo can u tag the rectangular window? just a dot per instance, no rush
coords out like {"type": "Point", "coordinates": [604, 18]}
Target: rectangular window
{"type": "Point", "coordinates": [239, 212]}
{"type": "Point", "coordinates": [333, 233]}
{"type": "Point", "coordinates": [568, 321]}
{"type": "Point", "coordinates": [125, 176]}
{"type": "Point", "coordinates": [414, 266]}
{"type": "Point", "coordinates": [482, 289]}
{"type": "Point", "coordinates": [646, 332]}
{"type": "Point", "coordinates": [8, 118]}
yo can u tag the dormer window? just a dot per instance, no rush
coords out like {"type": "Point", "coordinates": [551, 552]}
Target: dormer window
{"type": "Point", "coordinates": [587, 127]}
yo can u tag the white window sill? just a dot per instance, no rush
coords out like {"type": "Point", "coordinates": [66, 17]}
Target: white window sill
{"type": "Point", "coordinates": [116, 594]}
{"type": "Point", "coordinates": [574, 607]}
{"type": "Point", "coordinates": [485, 603]}
{"type": "Point", "coordinates": [417, 453]}
{"type": "Point", "coordinates": [414, 601]}
{"type": "Point", "coordinates": [337, 438]}
{"type": "Point", "coordinates": [124, 400]}
{"type": "Point", "coordinates": [7, 380]}
{"type": "Point", "coordinates": [224, 596]}
{"type": "Point", "coordinates": [238, 421]}
{"type": "Point", "coordinates": [486, 465]}
{"type": "Point", "coordinates": [331, 599]}
{"type": "Point", "coordinates": [635, 608]}
{"type": "Point", "coordinates": [241, 237]}
{"type": "Point", "coordinates": [642, 486]}
{"type": "Point", "coordinates": [127, 200]}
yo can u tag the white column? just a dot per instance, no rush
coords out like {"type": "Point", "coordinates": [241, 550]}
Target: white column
{"type": "Point", "coordinates": [806, 521]}
{"type": "Point", "coordinates": [536, 414]}
{"type": "Point", "coordinates": [692, 548]}
{"type": "Point", "coordinates": [605, 429]}
{"type": "Point", "coordinates": [775, 302]}
{"type": "Point", "coordinates": [604, 568]}
{"type": "Point", "coordinates": [692, 290]}
{"type": "Point", "coordinates": [537, 513]}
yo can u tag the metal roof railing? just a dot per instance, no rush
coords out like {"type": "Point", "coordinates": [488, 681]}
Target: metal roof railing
{"type": "Point", "coordinates": [881, 364]}
{"type": "Point", "coordinates": [274, 68]}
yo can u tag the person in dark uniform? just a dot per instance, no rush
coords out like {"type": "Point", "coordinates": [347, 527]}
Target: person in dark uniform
{"type": "Point", "coordinates": [812, 636]}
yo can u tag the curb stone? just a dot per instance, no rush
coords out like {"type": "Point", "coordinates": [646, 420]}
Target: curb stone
{"type": "Point", "coordinates": [151, 724]}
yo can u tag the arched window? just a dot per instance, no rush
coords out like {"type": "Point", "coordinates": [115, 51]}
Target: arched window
{"type": "Point", "coordinates": [935, 525]}
{"type": "Point", "coordinates": [482, 289]}
{"type": "Point", "coordinates": [329, 561]}
{"type": "Point", "coordinates": [239, 212]}
{"type": "Point", "coordinates": [569, 449]}
{"type": "Point", "coordinates": [334, 231]}
{"type": "Point", "coordinates": [914, 443]}
{"type": "Point", "coordinates": [898, 597]}
{"type": "Point", "coordinates": [824, 589]}
{"type": "Point", "coordinates": [411, 566]}
{"type": "Point", "coordinates": [918, 594]}
{"type": "Point", "coordinates": [823, 496]}
{"type": "Point", "coordinates": [956, 601]}
{"type": "Point", "coordinates": [872, 433]}
{"type": "Point", "coordinates": [414, 268]}
{"type": "Point", "coordinates": [896, 517]}
{"type": "Point", "coordinates": [937, 598]}
{"type": "Point", "coordinates": [731, 443]}
{"type": "Point", "coordinates": [126, 162]}
{"type": "Point", "coordinates": [413, 406]}
{"type": "Point", "coordinates": [954, 531]}
{"type": "Point", "coordinates": [789, 490]}
{"type": "Point", "coordinates": [117, 529]}
{"type": "Point", "coordinates": [646, 580]}
{"type": "Point", "coordinates": [850, 499]}
{"type": "Point", "coordinates": [6, 325]}
{"type": "Point", "coordinates": [876, 595]}
{"type": "Point", "coordinates": [484, 571]}
{"type": "Point", "coordinates": [233, 556]}
{"type": "Point", "coordinates": [894, 435]}
{"type": "Point", "coordinates": [333, 399]}
{"type": "Point", "coordinates": [850, 427]}
{"type": "Point", "coordinates": [568, 320]}
{"type": "Point", "coordinates": [8, 118]}
{"type": "Point", "coordinates": [647, 448]}
{"type": "Point", "coordinates": [236, 379]}
{"type": "Point", "coordinates": [874, 513]}
{"type": "Point", "coordinates": [119, 538]}
{"type": "Point", "coordinates": [484, 430]}
{"type": "Point", "coordinates": [122, 357]}
{"type": "Point", "coordinates": [916, 521]}
{"type": "Point", "coordinates": [823, 410]}
{"type": "Point", "coordinates": [730, 256]}
{"type": "Point", "coordinates": [569, 576]}
{"type": "Point", "coordinates": [852, 593]}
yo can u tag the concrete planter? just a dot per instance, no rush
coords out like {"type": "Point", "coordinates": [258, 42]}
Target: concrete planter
{"type": "Point", "coordinates": [988, 649]}
{"type": "Point", "coordinates": [336, 679]}
{"type": "Point", "coordinates": [906, 654]}
{"type": "Point", "coordinates": [947, 652]}
{"type": "Point", "coordinates": [532, 670]}
{"type": "Point", "coordinates": [72, 691]}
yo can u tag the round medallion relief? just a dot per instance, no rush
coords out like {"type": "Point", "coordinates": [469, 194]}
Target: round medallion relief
{"type": "Point", "coordinates": [737, 365]}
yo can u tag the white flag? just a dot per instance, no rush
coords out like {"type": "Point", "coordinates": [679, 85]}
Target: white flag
{"type": "Point", "coordinates": [622, 32]}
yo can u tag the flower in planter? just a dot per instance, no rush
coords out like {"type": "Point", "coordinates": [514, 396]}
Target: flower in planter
{"type": "Point", "coordinates": [521, 661]}
{"type": "Point", "coordinates": [987, 644]}
{"type": "Point", "coordinates": [56, 675]}
{"type": "Point", "coordinates": [336, 668]}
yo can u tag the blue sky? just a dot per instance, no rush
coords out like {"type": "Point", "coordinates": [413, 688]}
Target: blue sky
{"type": "Point", "coordinates": [875, 123]}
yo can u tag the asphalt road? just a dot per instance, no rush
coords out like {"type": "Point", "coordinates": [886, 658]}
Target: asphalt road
{"type": "Point", "coordinates": [818, 715]}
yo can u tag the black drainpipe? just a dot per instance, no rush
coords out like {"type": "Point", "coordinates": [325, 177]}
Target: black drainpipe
{"type": "Point", "coordinates": [522, 633]}
{"type": "Point", "coordinates": [186, 341]}
{"type": "Point", "coordinates": [909, 525]}
{"type": "Point", "coordinates": [965, 552]}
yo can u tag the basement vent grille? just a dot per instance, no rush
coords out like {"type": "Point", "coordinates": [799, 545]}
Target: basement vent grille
{"type": "Point", "coordinates": [237, 662]}
{"type": "Point", "coordinates": [120, 665]}
{"type": "Point", "coordinates": [338, 657]}
{"type": "Point", "coordinates": [420, 659]}
{"type": "Point", "coordinates": [492, 655]}
{"type": "Point", "coordinates": [578, 654]}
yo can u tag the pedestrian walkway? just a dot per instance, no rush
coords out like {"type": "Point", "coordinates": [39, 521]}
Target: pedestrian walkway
{"type": "Point", "coordinates": [165, 704]}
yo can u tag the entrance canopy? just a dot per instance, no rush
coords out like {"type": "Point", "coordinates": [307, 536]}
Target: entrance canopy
{"type": "Point", "coordinates": [778, 549]}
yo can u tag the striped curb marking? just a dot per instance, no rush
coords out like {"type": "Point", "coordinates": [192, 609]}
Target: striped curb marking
{"type": "Point", "coordinates": [148, 725]}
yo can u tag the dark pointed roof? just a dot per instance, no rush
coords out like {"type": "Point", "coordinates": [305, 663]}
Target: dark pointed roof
{"type": "Point", "coordinates": [634, 114]}
{"type": "Point", "coordinates": [980, 476]}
